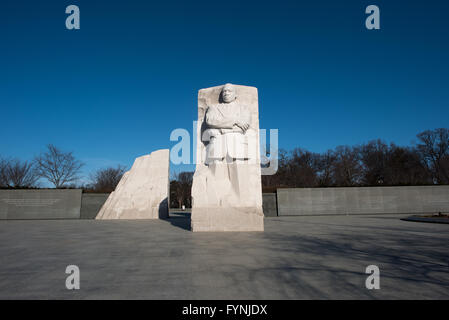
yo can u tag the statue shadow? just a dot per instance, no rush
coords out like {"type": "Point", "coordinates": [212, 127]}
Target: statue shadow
{"type": "Point", "coordinates": [163, 209]}
{"type": "Point", "coordinates": [179, 219]}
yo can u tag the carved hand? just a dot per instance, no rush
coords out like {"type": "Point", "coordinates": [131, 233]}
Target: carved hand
{"type": "Point", "coordinates": [242, 125]}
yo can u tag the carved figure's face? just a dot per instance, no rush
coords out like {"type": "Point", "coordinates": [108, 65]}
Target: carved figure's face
{"type": "Point", "coordinates": [228, 93]}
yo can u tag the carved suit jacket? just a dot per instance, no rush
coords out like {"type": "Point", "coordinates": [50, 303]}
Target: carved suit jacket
{"type": "Point", "coordinates": [225, 138]}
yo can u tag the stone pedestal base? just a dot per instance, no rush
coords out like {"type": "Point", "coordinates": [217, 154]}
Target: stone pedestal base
{"type": "Point", "coordinates": [227, 219]}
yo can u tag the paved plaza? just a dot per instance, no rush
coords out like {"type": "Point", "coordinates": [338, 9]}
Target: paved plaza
{"type": "Point", "coordinates": [319, 257]}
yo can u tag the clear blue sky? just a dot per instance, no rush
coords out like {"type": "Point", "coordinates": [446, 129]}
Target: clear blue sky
{"type": "Point", "coordinates": [116, 88]}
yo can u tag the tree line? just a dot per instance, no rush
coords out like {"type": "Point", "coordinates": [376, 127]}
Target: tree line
{"type": "Point", "coordinates": [60, 169]}
{"type": "Point", "coordinates": [371, 164]}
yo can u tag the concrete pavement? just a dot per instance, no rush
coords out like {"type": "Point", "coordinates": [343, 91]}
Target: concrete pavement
{"type": "Point", "coordinates": [321, 257]}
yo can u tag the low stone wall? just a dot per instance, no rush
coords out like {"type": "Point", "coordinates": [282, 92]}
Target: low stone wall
{"type": "Point", "coordinates": [91, 204]}
{"type": "Point", "coordinates": [72, 204]}
{"type": "Point", "coordinates": [363, 200]}
{"type": "Point", "coordinates": [269, 205]}
{"type": "Point", "coordinates": [40, 204]}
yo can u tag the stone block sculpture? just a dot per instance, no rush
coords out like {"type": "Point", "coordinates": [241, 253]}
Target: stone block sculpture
{"type": "Point", "coordinates": [143, 191]}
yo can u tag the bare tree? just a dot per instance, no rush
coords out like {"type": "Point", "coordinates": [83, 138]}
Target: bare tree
{"type": "Point", "coordinates": [406, 168]}
{"type": "Point", "coordinates": [60, 168]}
{"type": "Point", "coordinates": [375, 157]}
{"type": "Point", "coordinates": [392, 165]}
{"type": "Point", "coordinates": [105, 180]}
{"type": "Point", "coordinates": [20, 174]}
{"type": "Point", "coordinates": [303, 168]}
{"type": "Point", "coordinates": [3, 174]}
{"type": "Point", "coordinates": [347, 168]}
{"type": "Point", "coordinates": [326, 164]}
{"type": "Point", "coordinates": [434, 148]}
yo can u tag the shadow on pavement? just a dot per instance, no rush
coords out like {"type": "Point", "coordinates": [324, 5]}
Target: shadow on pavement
{"type": "Point", "coordinates": [179, 219]}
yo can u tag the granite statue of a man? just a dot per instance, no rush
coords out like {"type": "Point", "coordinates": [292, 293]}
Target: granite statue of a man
{"type": "Point", "coordinates": [226, 189]}
{"type": "Point", "coordinates": [228, 125]}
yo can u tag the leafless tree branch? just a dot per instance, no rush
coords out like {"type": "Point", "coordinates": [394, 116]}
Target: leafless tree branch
{"type": "Point", "coordinates": [59, 168]}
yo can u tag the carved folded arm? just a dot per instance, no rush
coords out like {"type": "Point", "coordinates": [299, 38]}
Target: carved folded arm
{"type": "Point", "coordinates": [215, 119]}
